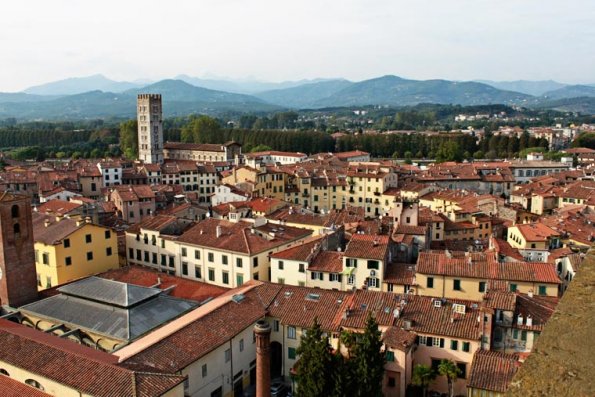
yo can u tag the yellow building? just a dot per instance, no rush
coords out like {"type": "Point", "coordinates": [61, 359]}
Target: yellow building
{"type": "Point", "coordinates": [67, 249]}
{"type": "Point", "coordinates": [468, 276]}
{"type": "Point", "coordinates": [533, 236]}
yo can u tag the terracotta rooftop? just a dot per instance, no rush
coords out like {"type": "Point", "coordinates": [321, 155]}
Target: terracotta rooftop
{"type": "Point", "coordinates": [328, 262]}
{"type": "Point", "coordinates": [302, 252]}
{"type": "Point", "coordinates": [536, 231]}
{"type": "Point", "coordinates": [492, 371]}
{"type": "Point", "coordinates": [180, 287]}
{"type": "Point", "coordinates": [368, 247]}
{"type": "Point", "coordinates": [58, 207]}
{"type": "Point", "coordinates": [49, 230]}
{"type": "Point", "coordinates": [241, 236]}
{"type": "Point", "coordinates": [84, 369]}
{"type": "Point", "coordinates": [484, 265]}
{"type": "Point", "coordinates": [398, 338]}
{"type": "Point", "coordinates": [12, 388]}
{"type": "Point", "coordinates": [399, 273]}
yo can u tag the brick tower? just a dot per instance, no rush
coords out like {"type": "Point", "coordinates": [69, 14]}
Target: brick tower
{"type": "Point", "coordinates": [150, 128]}
{"type": "Point", "coordinates": [262, 329]}
{"type": "Point", "coordinates": [18, 280]}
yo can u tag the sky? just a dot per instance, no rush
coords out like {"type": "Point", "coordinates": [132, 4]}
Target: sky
{"type": "Point", "coordinates": [280, 40]}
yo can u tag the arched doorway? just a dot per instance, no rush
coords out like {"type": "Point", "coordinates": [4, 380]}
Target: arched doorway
{"type": "Point", "coordinates": [276, 360]}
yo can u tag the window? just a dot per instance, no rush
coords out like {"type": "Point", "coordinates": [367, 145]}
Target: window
{"type": "Point", "coordinates": [373, 265]}
{"type": "Point", "coordinates": [197, 272]}
{"type": "Point", "coordinates": [241, 345]}
{"type": "Point", "coordinates": [66, 243]}
{"type": "Point", "coordinates": [391, 382]}
{"type": "Point", "coordinates": [456, 285]}
{"type": "Point", "coordinates": [171, 261]}
{"type": "Point", "coordinates": [438, 342]}
{"type": "Point", "coordinates": [68, 261]}
{"type": "Point", "coordinates": [14, 211]}
{"type": "Point", "coordinates": [280, 265]}
{"type": "Point", "coordinates": [225, 277]}
{"type": "Point", "coordinates": [88, 238]}
{"type": "Point", "coordinates": [291, 332]}
{"type": "Point", "coordinates": [430, 282]}
{"type": "Point", "coordinates": [196, 254]}
{"type": "Point", "coordinates": [204, 370]}
{"type": "Point", "coordinates": [482, 286]}
{"type": "Point", "coordinates": [211, 274]}
{"type": "Point", "coordinates": [90, 255]}
{"type": "Point", "coordinates": [373, 282]}
{"type": "Point", "coordinates": [334, 277]}
{"type": "Point", "coordinates": [184, 252]}
{"type": "Point", "coordinates": [466, 347]}
{"type": "Point", "coordinates": [32, 382]}
{"type": "Point", "coordinates": [138, 255]}
{"type": "Point", "coordinates": [513, 287]}
{"type": "Point", "coordinates": [228, 355]}
{"type": "Point", "coordinates": [108, 252]}
{"type": "Point", "coordinates": [45, 257]}
{"type": "Point", "coordinates": [239, 262]}
{"type": "Point", "coordinates": [276, 325]}
{"type": "Point", "coordinates": [108, 234]}
{"type": "Point", "coordinates": [351, 262]}
{"type": "Point", "coordinates": [454, 345]}
{"type": "Point", "coordinates": [256, 276]}
{"type": "Point", "coordinates": [351, 279]}
{"type": "Point", "coordinates": [390, 356]}
{"type": "Point", "coordinates": [239, 279]}
{"type": "Point", "coordinates": [146, 256]}
{"type": "Point", "coordinates": [542, 290]}
{"type": "Point", "coordinates": [224, 259]}
{"type": "Point", "coordinates": [255, 262]}
{"type": "Point", "coordinates": [131, 253]}
{"type": "Point", "coordinates": [463, 368]}
{"type": "Point", "coordinates": [211, 257]}
{"type": "Point", "coordinates": [291, 353]}
{"type": "Point", "coordinates": [302, 268]}
{"type": "Point", "coordinates": [184, 268]}
{"type": "Point", "coordinates": [422, 340]}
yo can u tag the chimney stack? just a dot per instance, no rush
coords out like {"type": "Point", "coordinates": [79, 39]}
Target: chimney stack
{"type": "Point", "coordinates": [262, 329]}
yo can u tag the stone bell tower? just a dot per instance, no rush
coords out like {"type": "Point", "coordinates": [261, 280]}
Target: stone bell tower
{"type": "Point", "coordinates": [150, 128]}
{"type": "Point", "coordinates": [18, 279]}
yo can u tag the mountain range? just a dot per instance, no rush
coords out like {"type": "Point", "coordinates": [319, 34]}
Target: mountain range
{"type": "Point", "coordinates": [97, 96]}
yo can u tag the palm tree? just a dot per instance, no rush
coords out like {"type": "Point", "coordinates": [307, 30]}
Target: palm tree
{"type": "Point", "coordinates": [423, 376]}
{"type": "Point", "coordinates": [451, 371]}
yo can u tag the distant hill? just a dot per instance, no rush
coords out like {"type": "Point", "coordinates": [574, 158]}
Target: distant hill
{"type": "Point", "coordinates": [180, 98]}
{"type": "Point", "coordinates": [396, 91]}
{"type": "Point", "coordinates": [306, 95]}
{"type": "Point", "coordinates": [22, 97]}
{"type": "Point", "coordinates": [244, 86]}
{"type": "Point", "coordinates": [584, 105]}
{"type": "Point", "coordinates": [535, 88]}
{"type": "Point", "coordinates": [571, 91]}
{"type": "Point", "coordinates": [79, 85]}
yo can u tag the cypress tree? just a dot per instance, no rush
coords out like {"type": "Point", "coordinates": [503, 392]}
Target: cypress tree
{"type": "Point", "coordinates": [369, 360]}
{"type": "Point", "coordinates": [315, 365]}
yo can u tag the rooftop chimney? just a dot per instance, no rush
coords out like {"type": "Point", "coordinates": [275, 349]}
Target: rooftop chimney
{"type": "Point", "coordinates": [218, 231]}
{"type": "Point", "coordinates": [262, 329]}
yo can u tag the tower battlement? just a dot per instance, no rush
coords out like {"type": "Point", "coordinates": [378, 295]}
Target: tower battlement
{"type": "Point", "coordinates": [150, 96]}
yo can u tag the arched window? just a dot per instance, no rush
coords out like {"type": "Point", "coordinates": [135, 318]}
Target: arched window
{"type": "Point", "coordinates": [34, 383]}
{"type": "Point", "coordinates": [521, 172]}
{"type": "Point", "coordinates": [4, 372]}
{"type": "Point", "coordinates": [17, 230]}
{"type": "Point", "coordinates": [15, 211]}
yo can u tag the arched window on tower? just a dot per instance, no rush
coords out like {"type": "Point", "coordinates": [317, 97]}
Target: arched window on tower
{"type": "Point", "coordinates": [17, 230]}
{"type": "Point", "coordinates": [15, 211]}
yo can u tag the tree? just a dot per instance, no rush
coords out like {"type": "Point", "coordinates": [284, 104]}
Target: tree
{"type": "Point", "coordinates": [260, 148]}
{"type": "Point", "coordinates": [315, 365]}
{"type": "Point", "coordinates": [129, 138]}
{"type": "Point", "coordinates": [202, 129]}
{"type": "Point", "coordinates": [423, 376]}
{"type": "Point", "coordinates": [451, 371]}
{"type": "Point", "coordinates": [369, 359]}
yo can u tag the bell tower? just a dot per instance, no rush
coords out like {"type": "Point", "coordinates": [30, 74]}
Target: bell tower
{"type": "Point", "coordinates": [18, 279]}
{"type": "Point", "coordinates": [150, 128]}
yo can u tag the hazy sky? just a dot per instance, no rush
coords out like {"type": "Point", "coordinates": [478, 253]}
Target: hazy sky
{"type": "Point", "coordinates": [277, 40]}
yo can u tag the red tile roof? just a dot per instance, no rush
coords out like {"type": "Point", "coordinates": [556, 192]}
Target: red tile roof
{"type": "Point", "coordinates": [398, 338]}
{"type": "Point", "coordinates": [76, 366]}
{"type": "Point", "coordinates": [399, 273]}
{"type": "Point", "coordinates": [240, 236]}
{"type": "Point", "coordinates": [328, 262]}
{"type": "Point", "coordinates": [58, 207]}
{"type": "Point", "coordinates": [492, 371]}
{"type": "Point", "coordinates": [180, 287]}
{"type": "Point", "coordinates": [367, 247]}
{"type": "Point", "coordinates": [536, 231]}
{"type": "Point", "coordinates": [12, 388]}
{"type": "Point", "coordinates": [484, 265]}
